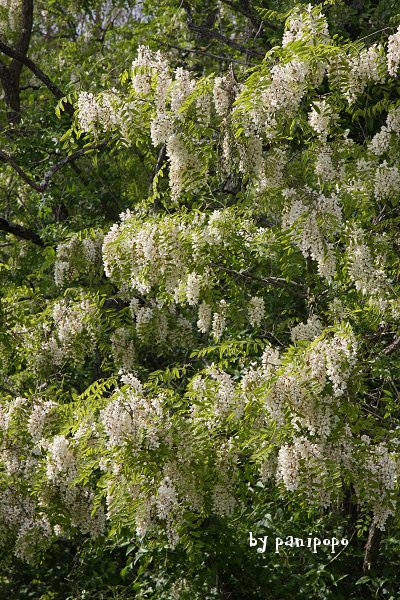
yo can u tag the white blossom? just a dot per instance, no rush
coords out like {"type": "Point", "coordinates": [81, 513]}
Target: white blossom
{"type": "Point", "coordinates": [393, 53]}
{"type": "Point", "coordinates": [204, 317]}
{"type": "Point", "coordinates": [256, 311]}
{"type": "Point", "coordinates": [224, 93]}
{"type": "Point", "coordinates": [387, 181]}
{"type": "Point", "coordinates": [308, 25]}
{"type": "Point", "coordinates": [321, 117]}
{"type": "Point", "coordinates": [307, 331]}
{"type": "Point", "coordinates": [99, 112]}
{"type": "Point", "coordinates": [61, 463]}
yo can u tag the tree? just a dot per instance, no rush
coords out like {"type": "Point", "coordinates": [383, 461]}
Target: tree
{"type": "Point", "coordinates": [201, 324]}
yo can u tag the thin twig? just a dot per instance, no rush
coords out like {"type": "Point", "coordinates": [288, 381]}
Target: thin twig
{"type": "Point", "coordinates": [277, 281]}
{"type": "Point", "coordinates": [375, 32]}
{"type": "Point", "coordinates": [204, 53]}
{"type": "Point", "coordinates": [212, 33]}
{"type": "Point", "coordinates": [12, 162]}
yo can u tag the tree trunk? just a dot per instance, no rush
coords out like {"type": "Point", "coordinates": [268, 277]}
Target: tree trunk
{"type": "Point", "coordinates": [372, 549]}
{"type": "Point", "coordinates": [10, 81]}
{"type": "Point", "coordinates": [10, 74]}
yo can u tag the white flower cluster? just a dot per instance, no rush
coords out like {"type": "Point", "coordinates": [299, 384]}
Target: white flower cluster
{"type": "Point", "coordinates": [166, 498]}
{"type": "Point", "coordinates": [307, 331]}
{"type": "Point", "coordinates": [387, 181]}
{"type": "Point", "coordinates": [72, 319]}
{"type": "Point", "coordinates": [340, 357]}
{"type": "Point", "coordinates": [304, 465]}
{"type": "Point", "coordinates": [193, 288]}
{"type": "Point", "coordinates": [321, 117]}
{"type": "Point", "coordinates": [218, 227]}
{"type": "Point", "coordinates": [216, 397]}
{"type": "Point", "coordinates": [143, 515]}
{"type": "Point", "coordinates": [78, 258]}
{"type": "Point", "coordinates": [288, 467]}
{"type": "Point", "coordinates": [223, 498]}
{"type": "Point", "coordinates": [310, 26]}
{"type": "Point", "coordinates": [367, 278]}
{"type": "Point", "coordinates": [32, 535]}
{"type": "Point", "coordinates": [226, 401]}
{"type": "Point", "coordinates": [10, 19]}
{"type": "Point", "coordinates": [123, 348]}
{"type": "Point", "coordinates": [268, 468]}
{"type": "Point", "coordinates": [393, 120]}
{"type": "Point", "coordinates": [393, 53]}
{"type": "Point", "coordinates": [10, 411]}
{"type": "Point", "coordinates": [180, 471]}
{"type": "Point", "coordinates": [150, 70]}
{"type": "Point", "coordinates": [167, 507]}
{"type": "Point", "coordinates": [185, 167]}
{"type": "Point", "coordinates": [146, 316]}
{"type": "Point", "coordinates": [38, 419]}
{"type": "Point", "coordinates": [71, 336]}
{"type": "Point", "coordinates": [332, 359]}
{"type": "Point", "coordinates": [20, 517]}
{"type": "Point", "coordinates": [299, 390]}
{"type": "Point", "coordinates": [252, 160]}
{"type": "Point", "coordinates": [287, 88]}
{"type": "Point", "coordinates": [219, 321]}
{"type": "Point", "coordinates": [381, 140]}
{"type": "Point", "coordinates": [267, 172]}
{"type": "Point", "coordinates": [308, 224]}
{"type": "Point", "coordinates": [160, 323]}
{"type": "Point", "coordinates": [378, 482]}
{"type": "Point", "coordinates": [283, 86]}
{"type": "Point", "coordinates": [270, 360]}
{"type": "Point", "coordinates": [153, 253]}
{"type": "Point", "coordinates": [183, 86]}
{"type": "Point", "coordinates": [324, 167]}
{"type": "Point", "coordinates": [224, 94]}
{"type": "Point", "coordinates": [79, 501]}
{"type": "Point", "coordinates": [256, 311]}
{"type": "Point", "coordinates": [13, 509]}
{"type": "Point", "coordinates": [161, 129]}
{"type": "Point", "coordinates": [98, 113]}
{"type": "Point", "coordinates": [132, 418]}
{"type": "Point", "coordinates": [204, 317]}
{"type": "Point", "coordinates": [144, 67]}
{"type": "Point", "coordinates": [368, 66]}
{"type": "Point", "coordinates": [61, 462]}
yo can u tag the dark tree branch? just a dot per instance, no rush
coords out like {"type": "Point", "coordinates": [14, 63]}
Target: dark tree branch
{"type": "Point", "coordinates": [68, 160]}
{"type": "Point", "coordinates": [20, 232]}
{"type": "Point", "coordinates": [10, 75]}
{"type": "Point", "coordinates": [162, 155]}
{"type": "Point", "coordinates": [24, 60]}
{"type": "Point", "coordinates": [244, 8]}
{"type": "Point", "coordinates": [26, 29]}
{"type": "Point", "coordinates": [41, 187]}
{"type": "Point", "coordinates": [11, 161]}
{"type": "Point", "coordinates": [393, 346]}
{"type": "Point", "coordinates": [212, 33]}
